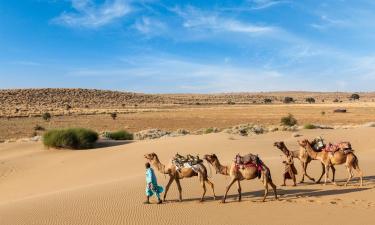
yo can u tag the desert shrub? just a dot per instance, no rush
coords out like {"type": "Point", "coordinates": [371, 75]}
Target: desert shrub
{"type": "Point", "coordinates": [322, 113]}
{"type": "Point", "coordinates": [267, 100]}
{"type": "Point", "coordinates": [354, 97]}
{"type": "Point", "coordinates": [288, 100]}
{"type": "Point", "coordinates": [46, 116]}
{"type": "Point", "coordinates": [230, 102]}
{"type": "Point", "coordinates": [309, 126]}
{"type": "Point", "coordinates": [310, 100]}
{"type": "Point", "coordinates": [288, 120]}
{"type": "Point", "coordinates": [68, 107]}
{"type": "Point", "coordinates": [72, 138]}
{"type": "Point", "coordinates": [113, 115]}
{"type": "Point", "coordinates": [38, 128]}
{"type": "Point", "coordinates": [335, 100]}
{"type": "Point", "coordinates": [120, 135]}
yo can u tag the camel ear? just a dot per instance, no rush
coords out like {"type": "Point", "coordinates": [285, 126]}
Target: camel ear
{"type": "Point", "coordinates": [214, 155]}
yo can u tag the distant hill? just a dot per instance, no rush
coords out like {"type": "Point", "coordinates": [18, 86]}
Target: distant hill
{"type": "Point", "coordinates": [31, 102]}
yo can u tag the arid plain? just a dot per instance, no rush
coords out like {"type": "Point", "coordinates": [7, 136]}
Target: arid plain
{"type": "Point", "coordinates": [105, 185]}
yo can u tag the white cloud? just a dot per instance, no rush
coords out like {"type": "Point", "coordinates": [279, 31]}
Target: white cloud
{"type": "Point", "coordinates": [212, 21]}
{"type": "Point", "coordinates": [263, 4]}
{"type": "Point", "coordinates": [150, 26]}
{"type": "Point", "coordinates": [91, 15]}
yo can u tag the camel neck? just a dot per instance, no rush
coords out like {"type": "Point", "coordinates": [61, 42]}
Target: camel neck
{"type": "Point", "coordinates": [220, 168]}
{"type": "Point", "coordinates": [159, 166]}
{"type": "Point", "coordinates": [311, 152]}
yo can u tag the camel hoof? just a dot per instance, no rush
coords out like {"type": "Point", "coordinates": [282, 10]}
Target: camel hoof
{"type": "Point", "coordinates": [222, 202]}
{"type": "Point", "coordinates": [301, 182]}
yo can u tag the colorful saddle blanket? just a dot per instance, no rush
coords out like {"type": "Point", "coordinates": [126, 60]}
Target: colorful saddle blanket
{"type": "Point", "coordinates": [249, 160]}
{"type": "Point", "coordinates": [346, 147]}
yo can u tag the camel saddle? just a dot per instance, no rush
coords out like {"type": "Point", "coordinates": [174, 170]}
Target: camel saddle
{"type": "Point", "coordinates": [248, 160]}
{"type": "Point", "coordinates": [318, 144]}
{"type": "Point", "coordinates": [180, 161]}
{"type": "Point", "coordinates": [346, 147]}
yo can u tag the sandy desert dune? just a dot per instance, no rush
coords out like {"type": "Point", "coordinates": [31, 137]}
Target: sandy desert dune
{"type": "Point", "coordinates": [106, 185]}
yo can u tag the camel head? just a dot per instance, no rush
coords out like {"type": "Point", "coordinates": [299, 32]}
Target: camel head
{"type": "Point", "coordinates": [151, 156]}
{"type": "Point", "coordinates": [304, 143]}
{"type": "Point", "coordinates": [279, 144]}
{"type": "Point", "coordinates": [210, 158]}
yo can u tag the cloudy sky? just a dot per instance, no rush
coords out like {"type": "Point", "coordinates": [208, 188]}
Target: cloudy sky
{"type": "Point", "coordinates": [188, 46]}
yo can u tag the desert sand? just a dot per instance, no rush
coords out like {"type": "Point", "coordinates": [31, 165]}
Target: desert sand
{"type": "Point", "coordinates": [106, 185]}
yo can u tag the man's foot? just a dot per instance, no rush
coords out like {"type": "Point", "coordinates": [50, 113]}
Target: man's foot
{"type": "Point", "coordinates": [160, 201]}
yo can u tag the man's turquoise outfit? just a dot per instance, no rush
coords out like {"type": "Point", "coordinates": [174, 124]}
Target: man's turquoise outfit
{"type": "Point", "coordinates": [151, 178]}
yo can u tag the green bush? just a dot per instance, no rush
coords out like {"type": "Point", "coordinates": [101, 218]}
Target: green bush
{"type": "Point", "coordinates": [309, 126]}
{"type": "Point", "coordinates": [209, 130]}
{"type": "Point", "coordinates": [120, 135]}
{"type": "Point", "coordinates": [288, 120]}
{"type": "Point", "coordinates": [46, 116]}
{"type": "Point", "coordinates": [73, 138]}
{"type": "Point", "coordinates": [288, 100]}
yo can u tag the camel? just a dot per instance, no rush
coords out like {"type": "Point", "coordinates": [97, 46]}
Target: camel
{"type": "Point", "coordinates": [305, 159]}
{"type": "Point", "coordinates": [336, 158]}
{"type": "Point", "coordinates": [177, 174]}
{"type": "Point", "coordinates": [239, 174]}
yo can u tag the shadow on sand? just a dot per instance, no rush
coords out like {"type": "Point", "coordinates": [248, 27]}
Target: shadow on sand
{"type": "Point", "coordinates": [110, 143]}
{"type": "Point", "coordinates": [291, 193]}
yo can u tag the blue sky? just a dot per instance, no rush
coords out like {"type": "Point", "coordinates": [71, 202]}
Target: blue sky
{"type": "Point", "coordinates": [188, 46]}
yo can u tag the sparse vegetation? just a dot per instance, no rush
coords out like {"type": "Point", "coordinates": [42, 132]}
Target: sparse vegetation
{"type": "Point", "coordinates": [120, 135]}
{"type": "Point", "coordinates": [230, 102]}
{"type": "Point", "coordinates": [113, 115]}
{"type": "Point", "coordinates": [46, 116]}
{"type": "Point", "coordinates": [309, 126]}
{"type": "Point", "coordinates": [354, 97]}
{"type": "Point", "coordinates": [267, 101]}
{"type": "Point", "coordinates": [310, 100]}
{"type": "Point", "coordinates": [288, 120]}
{"type": "Point", "coordinates": [68, 107]}
{"type": "Point", "coordinates": [288, 100]}
{"type": "Point", "coordinates": [73, 138]}
{"type": "Point", "coordinates": [336, 100]}
{"type": "Point", "coordinates": [38, 128]}
{"type": "Point", "coordinates": [322, 113]}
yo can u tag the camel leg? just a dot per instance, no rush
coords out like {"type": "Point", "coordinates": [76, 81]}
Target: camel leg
{"type": "Point", "coordinates": [179, 189]}
{"type": "Point", "coordinates": [212, 187]}
{"type": "Point", "coordinates": [323, 172]}
{"type": "Point", "coordinates": [333, 173]}
{"type": "Point", "coordinates": [303, 173]}
{"type": "Point", "coordinates": [167, 188]}
{"type": "Point", "coordinates": [201, 180]}
{"type": "Point", "coordinates": [327, 177]}
{"type": "Point", "coordinates": [239, 190]}
{"type": "Point", "coordinates": [227, 189]}
{"type": "Point", "coordinates": [350, 174]}
{"type": "Point", "coordinates": [265, 188]}
{"type": "Point", "coordinates": [274, 188]}
{"type": "Point", "coordinates": [359, 172]}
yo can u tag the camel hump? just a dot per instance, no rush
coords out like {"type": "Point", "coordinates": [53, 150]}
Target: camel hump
{"type": "Point", "coordinates": [246, 159]}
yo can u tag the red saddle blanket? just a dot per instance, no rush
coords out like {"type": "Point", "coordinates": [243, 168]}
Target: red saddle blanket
{"type": "Point", "coordinates": [345, 146]}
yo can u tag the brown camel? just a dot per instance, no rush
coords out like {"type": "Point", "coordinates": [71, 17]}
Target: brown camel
{"type": "Point", "coordinates": [336, 158]}
{"type": "Point", "coordinates": [239, 174]}
{"type": "Point", "coordinates": [305, 159]}
{"type": "Point", "coordinates": [177, 174]}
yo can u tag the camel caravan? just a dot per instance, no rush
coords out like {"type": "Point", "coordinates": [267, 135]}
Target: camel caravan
{"type": "Point", "coordinates": [250, 166]}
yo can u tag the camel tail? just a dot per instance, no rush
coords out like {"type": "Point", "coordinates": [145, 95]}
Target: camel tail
{"type": "Point", "coordinates": [356, 162]}
{"type": "Point", "coordinates": [268, 174]}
